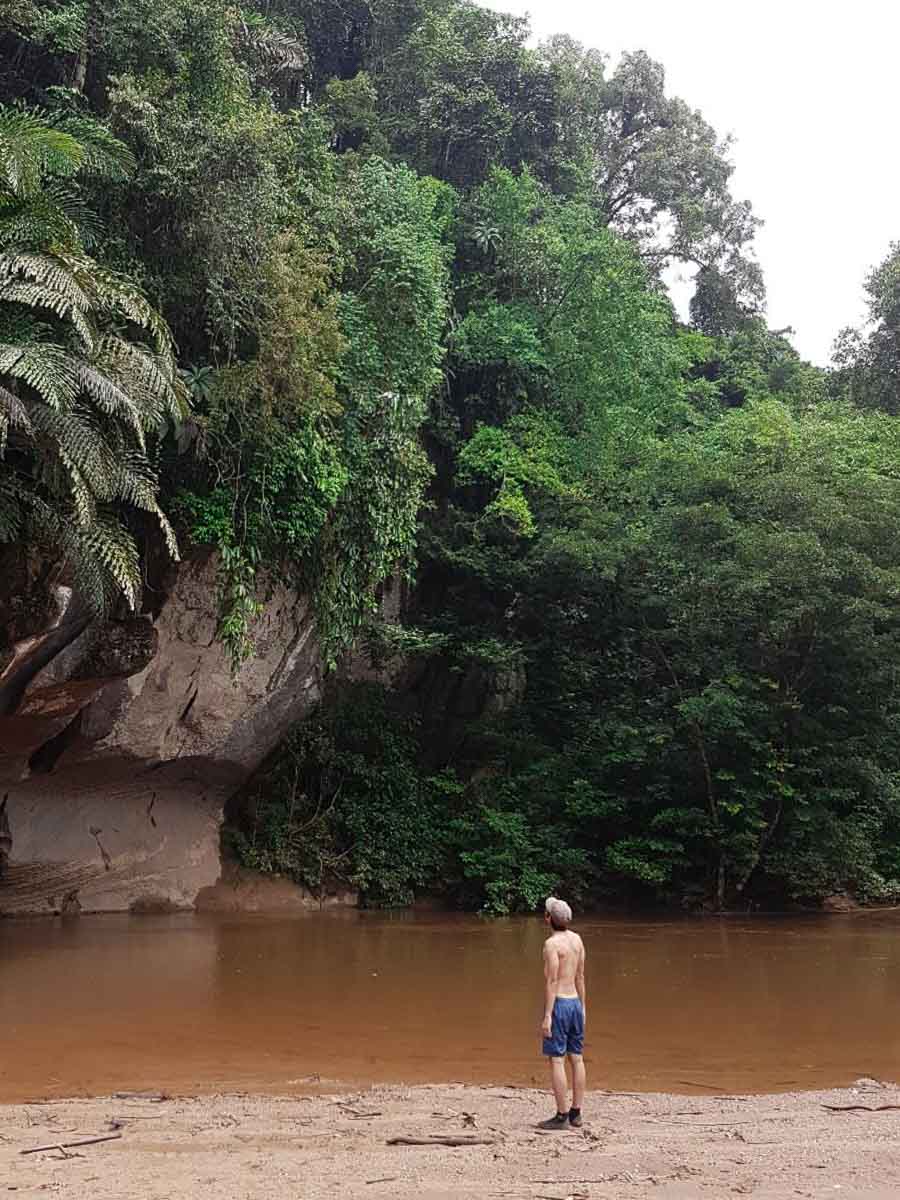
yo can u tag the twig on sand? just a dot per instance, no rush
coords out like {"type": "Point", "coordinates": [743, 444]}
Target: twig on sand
{"type": "Point", "coordinates": [602, 1179]}
{"type": "Point", "coordinates": [710, 1087]}
{"type": "Point", "coordinates": [149, 1097]}
{"type": "Point", "coordinates": [860, 1107]}
{"type": "Point", "coordinates": [357, 1115]}
{"type": "Point", "coordinates": [384, 1179]}
{"type": "Point", "coordinates": [436, 1140]}
{"type": "Point", "coordinates": [106, 1137]}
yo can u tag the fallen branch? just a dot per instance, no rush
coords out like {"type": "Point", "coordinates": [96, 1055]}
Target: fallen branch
{"type": "Point", "coordinates": [384, 1179]}
{"type": "Point", "coordinates": [602, 1179]}
{"type": "Point", "coordinates": [860, 1107]}
{"type": "Point", "coordinates": [107, 1137]}
{"type": "Point", "coordinates": [458, 1140]}
{"type": "Point", "coordinates": [149, 1097]}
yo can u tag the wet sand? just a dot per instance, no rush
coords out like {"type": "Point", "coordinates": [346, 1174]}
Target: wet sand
{"type": "Point", "coordinates": [668, 1147]}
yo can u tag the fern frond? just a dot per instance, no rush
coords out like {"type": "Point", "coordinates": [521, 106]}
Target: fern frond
{"type": "Point", "coordinates": [168, 535]}
{"type": "Point", "coordinates": [79, 442]}
{"type": "Point", "coordinates": [31, 147]}
{"type": "Point", "coordinates": [103, 154]}
{"type": "Point", "coordinates": [82, 497]}
{"type": "Point", "coordinates": [110, 544]}
{"type": "Point", "coordinates": [75, 404]}
{"type": "Point", "coordinates": [37, 222]}
{"type": "Point", "coordinates": [47, 525]}
{"type": "Point", "coordinates": [151, 376]}
{"type": "Point", "coordinates": [13, 414]}
{"type": "Point", "coordinates": [47, 281]}
{"type": "Point", "coordinates": [46, 368]}
{"type": "Point", "coordinates": [115, 294]}
{"type": "Point", "coordinates": [12, 517]}
{"type": "Point", "coordinates": [279, 49]}
{"type": "Point", "coordinates": [112, 399]}
{"type": "Point", "coordinates": [73, 212]}
{"type": "Point", "coordinates": [137, 485]}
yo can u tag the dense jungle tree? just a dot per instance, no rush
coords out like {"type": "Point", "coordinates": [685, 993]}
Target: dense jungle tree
{"type": "Point", "coordinates": [868, 360]}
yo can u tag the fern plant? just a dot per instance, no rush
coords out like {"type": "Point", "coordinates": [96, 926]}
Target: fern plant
{"type": "Point", "coordinates": [87, 366]}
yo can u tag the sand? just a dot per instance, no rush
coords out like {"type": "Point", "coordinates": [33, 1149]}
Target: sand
{"type": "Point", "coordinates": [669, 1147]}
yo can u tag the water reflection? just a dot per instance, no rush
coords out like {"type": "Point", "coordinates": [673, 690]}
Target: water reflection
{"type": "Point", "coordinates": [194, 1002]}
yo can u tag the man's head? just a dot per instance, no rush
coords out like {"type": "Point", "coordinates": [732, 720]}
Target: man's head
{"type": "Point", "coordinates": [558, 913]}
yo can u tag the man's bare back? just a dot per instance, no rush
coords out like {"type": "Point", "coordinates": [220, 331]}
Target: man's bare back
{"type": "Point", "coordinates": [564, 962]}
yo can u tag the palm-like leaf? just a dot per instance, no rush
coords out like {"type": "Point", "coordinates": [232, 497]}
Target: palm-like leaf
{"type": "Point", "coordinates": [31, 148]}
{"type": "Point", "coordinates": [102, 153]}
{"type": "Point", "coordinates": [76, 399]}
{"type": "Point", "coordinates": [13, 415]}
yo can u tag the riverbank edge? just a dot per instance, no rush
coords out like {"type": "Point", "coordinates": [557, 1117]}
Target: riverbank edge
{"type": "Point", "coordinates": [315, 1087]}
{"type": "Point", "coordinates": [290, 900]}
{"type": "Point", "coordinates": [452, 1141]}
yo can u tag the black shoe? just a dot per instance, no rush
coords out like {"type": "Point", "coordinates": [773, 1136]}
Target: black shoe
{"type": "Point", "coordinates": [575, 1118]}
{"type": "Point", "coordinates": [560, 1121]}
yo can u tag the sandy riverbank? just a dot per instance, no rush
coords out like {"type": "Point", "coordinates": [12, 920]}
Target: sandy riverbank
{"type": "Point", "coordinates": [306, 1147]}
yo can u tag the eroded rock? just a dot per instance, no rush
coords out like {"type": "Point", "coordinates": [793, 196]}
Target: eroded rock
{"type": "Point", "coordinates": [123, 746]}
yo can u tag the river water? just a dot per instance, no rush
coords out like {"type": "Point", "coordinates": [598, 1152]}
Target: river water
{"type": "Point", "coordinates": [191, 1003]}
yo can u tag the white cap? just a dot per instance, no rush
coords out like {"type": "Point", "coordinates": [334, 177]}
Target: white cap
{"type": "Point", "coordinates": [559, 909]}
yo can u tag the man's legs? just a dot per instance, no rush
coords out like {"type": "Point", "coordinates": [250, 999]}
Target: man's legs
{"type": "Point", "coordinates": [560, 1087]}
{"type": "Point", "coordinates": [578, 1080]}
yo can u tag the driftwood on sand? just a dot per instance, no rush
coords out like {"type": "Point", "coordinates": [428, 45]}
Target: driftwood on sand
{"type": "Point", "coordinates": [437, 1140]}
{"type": "Point", "coordinates": [92, 1141]}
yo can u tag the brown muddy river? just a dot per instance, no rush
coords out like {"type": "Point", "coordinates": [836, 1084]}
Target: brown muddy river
{"type": "Point", "coordinates": [193, 1003]}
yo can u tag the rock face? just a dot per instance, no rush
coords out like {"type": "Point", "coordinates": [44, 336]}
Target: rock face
{"type": "Point", "coordinates": [121, 744]}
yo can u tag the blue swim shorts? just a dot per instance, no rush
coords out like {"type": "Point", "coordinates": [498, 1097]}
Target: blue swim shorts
{"type": "Point", "coordinates": [567, 1029]}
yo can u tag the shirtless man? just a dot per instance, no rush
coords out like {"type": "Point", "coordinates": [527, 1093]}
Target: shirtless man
{"type": "Point", "coordinates": [564, 1012]}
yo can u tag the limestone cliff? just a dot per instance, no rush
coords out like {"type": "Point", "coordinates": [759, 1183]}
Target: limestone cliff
{"type": "Point", "coordinates": [120, 742]}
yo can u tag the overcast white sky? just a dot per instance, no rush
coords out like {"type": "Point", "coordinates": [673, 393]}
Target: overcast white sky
{"type": "Point", "coordinates": [810, 91]}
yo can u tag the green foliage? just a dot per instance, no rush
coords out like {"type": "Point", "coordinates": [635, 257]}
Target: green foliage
{"type": "Point", "coordinates": [344, 802]}
{"type": "Point", "coordinates": [78, 398]}
{"type": "Point", "coordinates": [729, 698]}
{"type": "Point", "coordinates": [498, 336]}
{"type": "Point", "coordinates": [313, 464]}
{"type": "Point", "coordinates": [867, 361]}
{"type": "Point", "coordinates": [412, 266]}
{"type": "Point", "coordinates": [464, 93]}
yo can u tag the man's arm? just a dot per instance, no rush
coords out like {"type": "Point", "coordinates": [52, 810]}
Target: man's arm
{"type": "Point", "coordinates": [579, 978]}
{"type": "Point", "coordinates": [551, 976]}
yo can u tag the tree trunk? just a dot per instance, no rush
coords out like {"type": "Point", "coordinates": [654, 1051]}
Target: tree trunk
{"type": "Point", "coordinates": [79, 74]}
